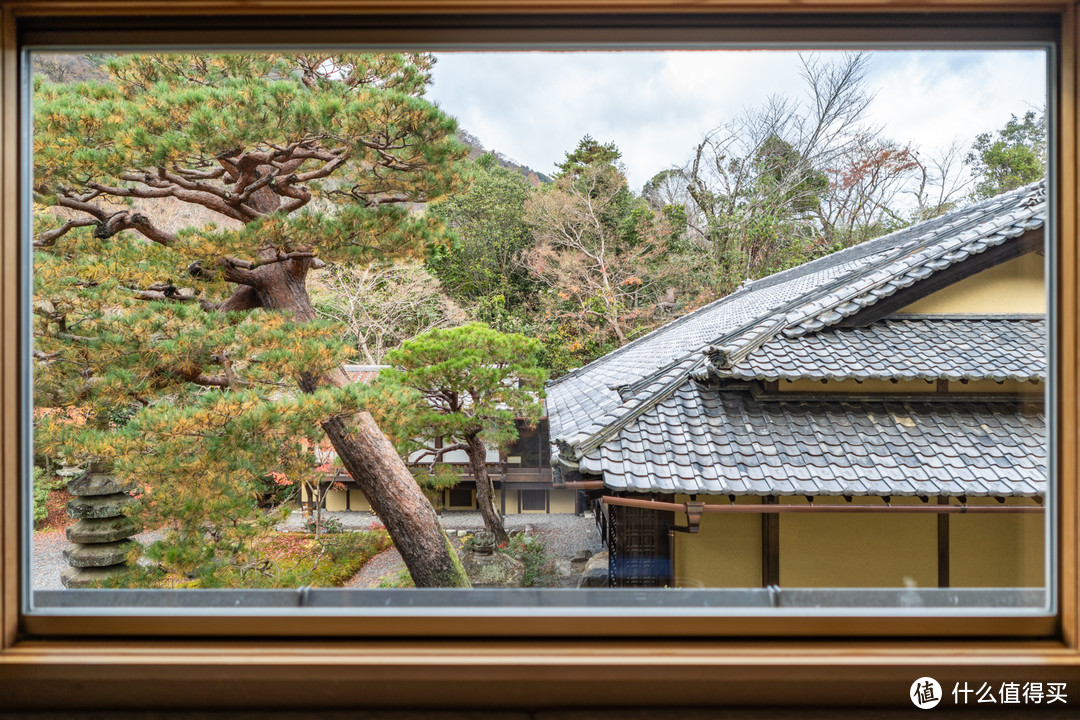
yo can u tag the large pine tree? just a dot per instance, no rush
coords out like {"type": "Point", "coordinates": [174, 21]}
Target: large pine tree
{"type": "Point", "coordinates": [180, 207]}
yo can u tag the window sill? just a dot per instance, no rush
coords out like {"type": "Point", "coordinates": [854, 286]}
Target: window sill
{"type": "Point", "coordinates": [534, 674]}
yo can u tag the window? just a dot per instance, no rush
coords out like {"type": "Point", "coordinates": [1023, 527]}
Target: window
{"type": "Point", "coordinates": [459, 497]}
{"type": "Point", "coordinates": [534, 500]}
{"type": "Point", "coordinates": [866, 290]}
{"type": "Point", "coordinates": [703, 658]}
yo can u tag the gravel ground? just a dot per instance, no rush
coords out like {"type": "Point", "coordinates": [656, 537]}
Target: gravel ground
{"type": "Point", "coordinates": [564, 534]}
{"type": "Point", "coordinates": [47, 559]}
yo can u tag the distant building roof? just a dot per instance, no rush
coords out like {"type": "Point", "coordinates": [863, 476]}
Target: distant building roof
{"type": "Point", "coordinates": [362, 373]}
{"type": "Point", "coordinates": [789, 326]}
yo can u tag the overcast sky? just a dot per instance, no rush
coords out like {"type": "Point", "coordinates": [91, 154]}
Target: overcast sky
{"type": "Point", "coordinates": [656, 106]}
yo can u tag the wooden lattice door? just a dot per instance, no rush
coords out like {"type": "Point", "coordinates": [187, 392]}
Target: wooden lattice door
{"type": "Point", "coordinates": [639, 547]}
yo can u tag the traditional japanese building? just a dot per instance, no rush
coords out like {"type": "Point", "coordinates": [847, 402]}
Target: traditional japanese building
{"type": "Point", "coordinates": [874, 418]}
{"type": "Point", "coordinates": [521, 473]}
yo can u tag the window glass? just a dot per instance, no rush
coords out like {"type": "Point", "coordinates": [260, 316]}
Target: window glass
{"type": "Point", "coordinates": [534, 500]}
{"type": "Point", "coordinates": [772, 325]}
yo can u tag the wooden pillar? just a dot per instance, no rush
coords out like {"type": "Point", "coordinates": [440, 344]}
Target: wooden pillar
{"type": "Point", "coordinates": [770, 544]}
{"type": "Point", "coordinates": [943, 545]}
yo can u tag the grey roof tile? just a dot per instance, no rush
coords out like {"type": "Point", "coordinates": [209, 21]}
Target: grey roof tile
{"type": "Point", "coordinates": [931, 452]}
{"type": "Point", "coordinates": [910, 348]}
{"type": "Point", "coordinates": [583, 403]}
{"type": "Point", "coordinates": [667, 432]}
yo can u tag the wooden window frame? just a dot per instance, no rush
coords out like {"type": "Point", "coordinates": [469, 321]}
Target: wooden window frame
{"type": "Point", "coordinates": [520, 661]}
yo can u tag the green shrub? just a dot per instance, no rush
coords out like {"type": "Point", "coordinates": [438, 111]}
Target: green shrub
{"type": "Point", "coordinates": [330, 526]}
{"type": "Point", "coordinates": [532, 551]}
{"type": "Point", "coordinates": [281, 560]}
{"type": "Point", "coordinates": [43, 484]}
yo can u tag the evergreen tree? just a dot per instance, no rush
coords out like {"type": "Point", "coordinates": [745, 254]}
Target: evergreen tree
{"type": "Point", "coordinates": [484, 260]}
{"type": "Point", "coordinates": [588, 152]}
{"type": "Point", "coordinates": [1010, 158]}
{"type": "Point", "coordinates": [475, 382]}
{"type": "Point", "coordinates": [182, 206]}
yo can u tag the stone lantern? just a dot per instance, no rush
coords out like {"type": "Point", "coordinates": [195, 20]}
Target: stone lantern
{"type": "Point", "coordinates": [487, 568]}
{"type": "Point", "coordinates": [100, 538]}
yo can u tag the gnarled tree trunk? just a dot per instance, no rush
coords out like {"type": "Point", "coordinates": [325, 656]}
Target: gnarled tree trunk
{"type": "Point", "coordinates": [367, 454]}
{"type": "Point", "coordinates": [485, 491]}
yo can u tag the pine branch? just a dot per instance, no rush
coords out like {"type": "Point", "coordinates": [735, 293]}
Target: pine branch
{"type": "Point", "coordinates": [49, 237]}
{"type": "Point", "coordinates": [158, 187]}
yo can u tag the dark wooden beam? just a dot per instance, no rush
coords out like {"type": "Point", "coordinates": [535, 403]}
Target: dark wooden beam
{"type": "Point", "coordinates": [1031, 241]}
{"type": "Point", "coordinates": [581, 485]}
{"type": "Point", "coordinates": [943, 545]}
{"type": "Point", "coordinates": [671, 555]}
{"type": "Point", "coordinates": [770, 545]}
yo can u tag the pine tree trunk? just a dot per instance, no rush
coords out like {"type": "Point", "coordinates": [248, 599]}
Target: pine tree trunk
{"type": "Point", "coordinates": [485, 491]}
{"type": "Point", "coordinates": [368, 455]}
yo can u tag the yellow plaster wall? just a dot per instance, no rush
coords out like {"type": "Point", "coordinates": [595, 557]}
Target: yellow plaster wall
{"type": "Point", "coordinates": [358, 502]}
{"type": "Point", "coordinates": [335, 500]}
{"type": "Point", "coordinates": [1016, 286]}
{"type": "Point", "coordinates": [562, 501]}
{"type": "Point", "coordinates": [835, 550]}
{"type": "Point", "coordinates": [512, 504]}
{"type": "Point", "coordinates": [1012, 387]}
{"type": "Point", "coordinates": [726, 552]}
{"type": "Point", "coordinates": [996, 550]}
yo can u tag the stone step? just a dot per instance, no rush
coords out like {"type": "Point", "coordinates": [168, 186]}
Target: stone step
{"type": "Point", "coordinates": [102, 530]}
{"type": "Point", "coordinates": [99, 506]}
{"type": "Point", "coordinates": [98, 554]}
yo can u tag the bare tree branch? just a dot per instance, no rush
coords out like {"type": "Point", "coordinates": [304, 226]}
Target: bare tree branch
{"type": "Point", "coordinates": [433, 455]}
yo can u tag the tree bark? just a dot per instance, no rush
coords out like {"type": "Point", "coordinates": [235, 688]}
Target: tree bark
{"type": "Point", "coordinates": [485, 491]}
{"type": "Point", "coordinates": [368, 456]}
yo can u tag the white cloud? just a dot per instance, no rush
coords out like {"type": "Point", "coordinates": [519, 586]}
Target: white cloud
{"type": "Point", "coordinates": [930, 98]}
{"type": "Point", "coordinates": [535, 106]}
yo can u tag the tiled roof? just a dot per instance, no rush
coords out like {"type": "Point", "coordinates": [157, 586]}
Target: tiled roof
{"type": "Point", "coordinates": [586, 407]}
{"type": "Point", "coordinates": [1009, 218]}
{"type": "Point", "coordinates": [905, 349]}
{"type": "Point", "coordinates": [702, 439]}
